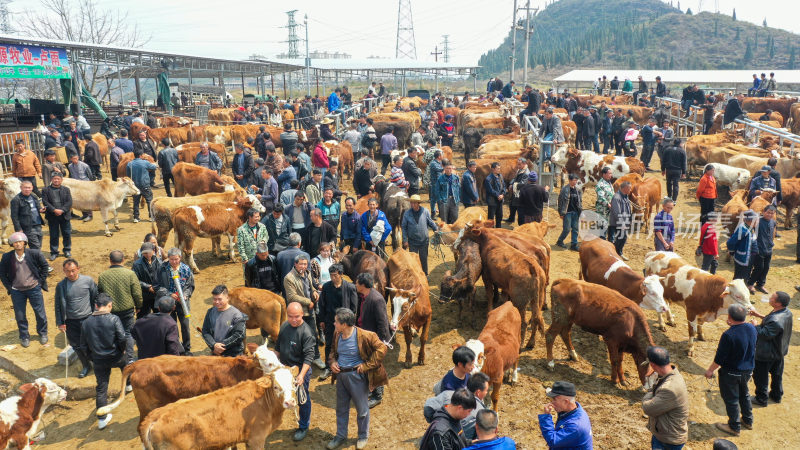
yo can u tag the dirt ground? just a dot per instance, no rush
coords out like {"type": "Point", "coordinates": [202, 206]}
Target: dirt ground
{"type": "Point", "coordinates": [615, 413]}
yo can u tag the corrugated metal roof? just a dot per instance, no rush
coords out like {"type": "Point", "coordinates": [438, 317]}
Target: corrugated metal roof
{"type": "Point", "coordinates": [681, 76]}
{"type": "Point", "coordinates": [375, 64]}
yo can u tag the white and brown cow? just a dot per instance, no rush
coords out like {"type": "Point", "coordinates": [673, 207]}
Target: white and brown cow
{"type": "Point", "coordinates": [601, 264]}
{"type": "Point", "coordinates": [20, 416]}
{"type": "Point", "coordinates": [587, 164]}
{"type": "Point", "coordinates": [9, 188]}
{"type": "Point", "coordinates": [101, 195]}
{"type": "Point", "coordinates": [211, 220]}
{"type": "Point", "coordinates": [705, 296]}
{"type": "Point", "coordinates": [411, 305]}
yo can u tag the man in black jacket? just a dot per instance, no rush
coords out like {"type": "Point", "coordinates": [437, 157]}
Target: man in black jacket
{"type": "Point", "coordinates": [362, 179]}
{"type": "Point", "coordinates": [532, 198]}
{"type": "Point", "coordinates": [148, 148]}
{"type": "Point", "coordinates": [733, 110]}
{"type": "Point", "coordinates": [103, 338]}
{"type": "Point", "coordinates": [242, 166]}
{"type": "Point", "coordinates": [157, 333]}
{"type": "Point", "coordinates": [445, 430]}
{"type": "Point", "coordinates": [372, 317]}
{"type": "Point", "coordinates": [91, 155]}
{"type": "Point", "coordinates": [261, 271]}
{"type": "Point", "coordinates": [24, 275]}
{"type": "Point", "coordinates": [411, 172]}
{"type": "Point", "coordinates": [335, 294]}
{"type": "Point", "coordinates": [224, 326]}
{"type": "Point", "coordinates": [534, 102]}
{"type": "Point", "coordinates": [26, 215]}
{"type": "Point", "coordinates": [146, 269]}
{"type": "Point", "coordinates": [57, 200]}
{"type": "Point", "coordinates": [278, 228]}
{"type": "Point", "coordinates": [673, 166]}
{"type": "Point", "coordinates": [317, 232]}
{"type": "Point", "coordinates": [772, 345]}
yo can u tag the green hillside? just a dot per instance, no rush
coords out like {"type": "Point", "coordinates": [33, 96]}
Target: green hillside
{"type": "Point", "coordinates": [642, 34]}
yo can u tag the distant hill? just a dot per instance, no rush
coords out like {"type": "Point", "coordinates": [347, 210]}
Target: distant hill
{"type": "Point", "coordinates": [642, 34]}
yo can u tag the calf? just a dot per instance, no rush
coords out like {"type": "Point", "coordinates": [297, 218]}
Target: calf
{"type": "Point", "coordinates": [603, 311]}
{"type": "Point", "coordinates": [733, 177]}
{"type": "Point", "coordinates": [790, 191]}
{"type": "Point", "coordinates": [529, 245]}
{"type": "Point", "coordinates": [161, 209]}
{"type": "Point", "coordinates": [364, 261]}
{"type": "Point", "coordinates": [461, 285]}
{"type": "Point", "coordinates": [449, 232]}
{"type": "Point", "coordinates": [125, 159]}
{"type": "Point", "coordinates": [601, 264]}
{"type": "Point", "coordinates": [705, 296]}
{"type": "Point", "coordinates": [168, 378]}
{"type": "Point", "coordinates": [645, 197]}
{"type": "Point", "coordinates": [9, 188]}
{"type": "Point", "coordinates": [20, 415]}
{"type": "Point", "coordinates": [103, 195]}
{"type": "Point", "coordinates": [518, 275]}
{"type": "Point", "coordinates": [497, 348]}
{"type": "Point", "coordinates": [411, 305]}
{"type": "Point", "coordinates": [195, 180]}
{"type": "Point", "coordinates": [265, 310]}
{"type": "Point", "coordinates": [587, 164]}
{"type": "Point", "coordinates": [211, 220]}
{"type": "Point", "coordinates": [732, 210]}
{"type": "Point", "coordinates": [247, 412]}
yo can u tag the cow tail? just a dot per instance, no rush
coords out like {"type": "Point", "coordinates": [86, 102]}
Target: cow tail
{"type": "Point", "coordinates": [126, 374]}
{"type": "Point", "coordinates": [580, 269]}
{"type": "Point", "coordinates": [283, 312]}
{"type": "Point", "coordinates": [147, 443]}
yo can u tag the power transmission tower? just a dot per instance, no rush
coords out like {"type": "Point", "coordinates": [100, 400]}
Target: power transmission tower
{"type": "Point", "coordinates": [406, 46]}
{"type": "Point", "coordinates": [5, 23]}
{"type": "Point", "coordinates": [446, 48]}
{"type": "Point", "coordinates": [293, 39]}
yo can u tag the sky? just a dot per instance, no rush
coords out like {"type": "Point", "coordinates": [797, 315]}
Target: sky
{"type": "Point", "coordinates": [239, 28]}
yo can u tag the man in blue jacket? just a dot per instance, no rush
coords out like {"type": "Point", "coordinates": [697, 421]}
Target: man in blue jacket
{"type": "Point", "coordinates": [448, 187]}
{"type": "Point", "coordinates": [469, 187]}
{"type": "Point", "coordinates": [739, 246]}
{"type": "Point", "coordinates": [486, 428]}
{"type": "Point", "coordinates": [495, 187]}
{"type": "Point", "coordinates": [334, 102]}
{"type": "Point", "coordinates": [572, 428]}
{"type": "Point", "coordinates": [138, 171]}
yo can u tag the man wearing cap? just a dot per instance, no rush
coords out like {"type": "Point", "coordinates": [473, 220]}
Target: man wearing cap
{"type": "Point", "coordinates": [762, 250]}
{"type": "Point", "coordinates": [415, 224]}
{"type": "Point", "coordinates": [24, 275]}
{"type": "Point", "coordinates": [520, 179]}
{"type": "Point", "coordinates": [50, 165]}
{"type": "Point", "coordinates": [146, 269]}
{"type": "Point", "coordinates": [572, 429]}
{"type": "Point", "coordinates": [75, 298]}
{"type": "Point", "coordinates": [735, 358]}
{"type": "Point", "coordinates": [469, 187]}
{"type": "Point", "coordinates": [762, 182]}
{"type": "Point", "coordinates": [157, 333]}
{"type": "Point", "coordinates": [224, 325]}
{"type": "Point", "coordinates": [57, 201]}
{"type": "Point", "coordinates": [411, 171]}
{"type": "Point", "coordinates": [551, 130]}
{"type": "Point", "coordinates": [25, 165]}
{"type": "Point", "coordinates": [532, 198]}
{"type": "Point", "coordinates": [667, 403]}
{"type": "Point", "coordinates": [570, 206]}
{"type": "Point", "coordinates": [26, 214]}
{"type": "Point", "coordinates": [740, 246]}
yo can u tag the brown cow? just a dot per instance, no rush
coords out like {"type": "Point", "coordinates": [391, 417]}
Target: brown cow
{"type": "Point", "coordinates": [161, 209]}
{"type": "Point", "coordinates": [195, 180]}
{"type": "Point", "coordinates": [342, 153]}
{"type": "Point", "coordinates": [265, 310]}
{"type": "Point", "coordinates": [632, 178]}
{"type": "Point", "coordinates": [600, 310]}
{"type": "Point", "coordinates": [127, 158]}
{"type": "Point", "coordinates": [364, 261]}
{"type": "Point", "coordinates": [247, 412]}
{"type": "Point", "coordinates": [705, 296]}
{"type": "Point", "coordinates": [518, 275]}
{"type": "Point", "coordinates": [411, 305]}
{"type": "Point", "coordinates": [733, 209]}
{"type": "Point", "coordinates": [761, 105]}
{"type": "Point", "coordinates": [188, 152]}
{"type": "Point", "coordinates": [497, 348]}
{"type": "Point", "coordinates": [790, 192]}
{"type": "Point", "coordinates": [645, 197]}
{"type": "Point", "coordinates": [587, 164]}
{"type": "Point", "coordinates": [166, 379]}
{"type": "Point", "coordinates": [449, 232]}
{"type": "Point", "coordinates": [527, 244]}
{"type": "Point", "coordinates": [211, 220]}
{"type": "Point", "coordinates": [460, 286]}
{"type": "Point", "coordinates": [794, 118]}
{"type": "Point", "coordinates": [601, 264]}
{"type": "Point", "coordinates": [537, 229]}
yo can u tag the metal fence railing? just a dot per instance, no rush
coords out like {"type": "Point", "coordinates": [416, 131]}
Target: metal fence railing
{"type": "Point", "coordinates": [754, 129]}
{"type": "Point", "coordinates": [33, 141]}
{"type": "Point", "coordinates": [201, 113]}
{"type": "Point", "coordinates": [684, 124]}
{"type": "Point", "coordinates": [341, 116]}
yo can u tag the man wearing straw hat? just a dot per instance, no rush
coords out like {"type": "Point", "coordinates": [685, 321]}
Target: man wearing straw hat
{"type": "Point", "coordinates": [415, 224]}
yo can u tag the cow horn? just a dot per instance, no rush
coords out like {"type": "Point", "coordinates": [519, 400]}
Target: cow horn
{"type": "Point", "coordinates": [390, 289]}
{"type": "Point", "coordinates": [645, 362]}
{"type": "Point", "coordinates": [468, 224]}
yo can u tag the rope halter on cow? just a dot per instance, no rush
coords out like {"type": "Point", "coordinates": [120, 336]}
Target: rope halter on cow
{"type": "Point", "coordinates": [413, 301]}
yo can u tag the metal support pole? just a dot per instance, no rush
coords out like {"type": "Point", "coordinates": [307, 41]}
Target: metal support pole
{"type": "Point", "coordinates": [76, 85]}
{"type": "Point", "coordinates": [513, 40]}
{"type": "Point", "coordinates": [272, 82]}
{"type": "Point", "coordinates": [191, 92]}
{"type": "Point", "coordinates": [316, 75]}
{"type": "Point", "coordinates": [308, 60]}
{"type": "Point", "coordinates": [242, 87]}
{"type": "Point", "coordinates": [119, 79]}
{"type": "Point", "coordinates": [284, 86]}
{"type": "Point", "coordinates": [138, 91]}
{"type": "Point", "coordinates": [527, 42]}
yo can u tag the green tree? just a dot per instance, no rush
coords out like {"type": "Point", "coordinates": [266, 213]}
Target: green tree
{"type": "Point", "coordinates": [688, 11]}
{"type": "Point", "coordinates": [748, 53]}
{"type": "Point", "coordinates": [791, 59]}
{"type": "Point", "coordinates": [765, 22]}
{"type": "Point", "coordinates": [671, 62]}
{"type": "Point", "coordinates": [771, 47]}
{"type": "Point", "coordinates": [736, 38]}
{"type": "Point", "coordinates": [734, 14]}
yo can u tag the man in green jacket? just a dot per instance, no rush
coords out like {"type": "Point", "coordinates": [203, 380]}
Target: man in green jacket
{"type": "Point", "coordinates": [666, 402]}
{"type": "Point", "coordinates": [122, 285]}
{"type": "Point", "coordinates": [250, 234]}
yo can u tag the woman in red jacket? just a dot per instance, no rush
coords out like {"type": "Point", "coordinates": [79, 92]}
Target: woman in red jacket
{"type": "Point", "coordinates": [319, 159]}
{"type": "Point", "coordinates": [709, 246]}
{"type": "Point", "coordinates": [707, 192]}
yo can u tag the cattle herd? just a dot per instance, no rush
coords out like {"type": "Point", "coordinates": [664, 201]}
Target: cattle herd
{"type": "Point", "coordinates": [604, 295]}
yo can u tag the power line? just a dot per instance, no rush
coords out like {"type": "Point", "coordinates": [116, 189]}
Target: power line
{"type": "Point", "coordinates": [405, 46]}
{"type": "Point", "coordinates": [446, 49]}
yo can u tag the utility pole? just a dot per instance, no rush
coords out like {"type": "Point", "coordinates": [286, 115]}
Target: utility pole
{"type": "Point", "coordinates": [446, 48]}
{"type": "Point", "coordinates": [436, 53]}
{"type": "Point", "coordinates": [513, 40]}
{"type": "Point", "coordinates": [292, 40]}
{"type": "Point", "coordinates": [308, 60]}
{"type": "Point", "coordinates": [405, 46]}
{"type": "Point", "coordinates": [527, 38]}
